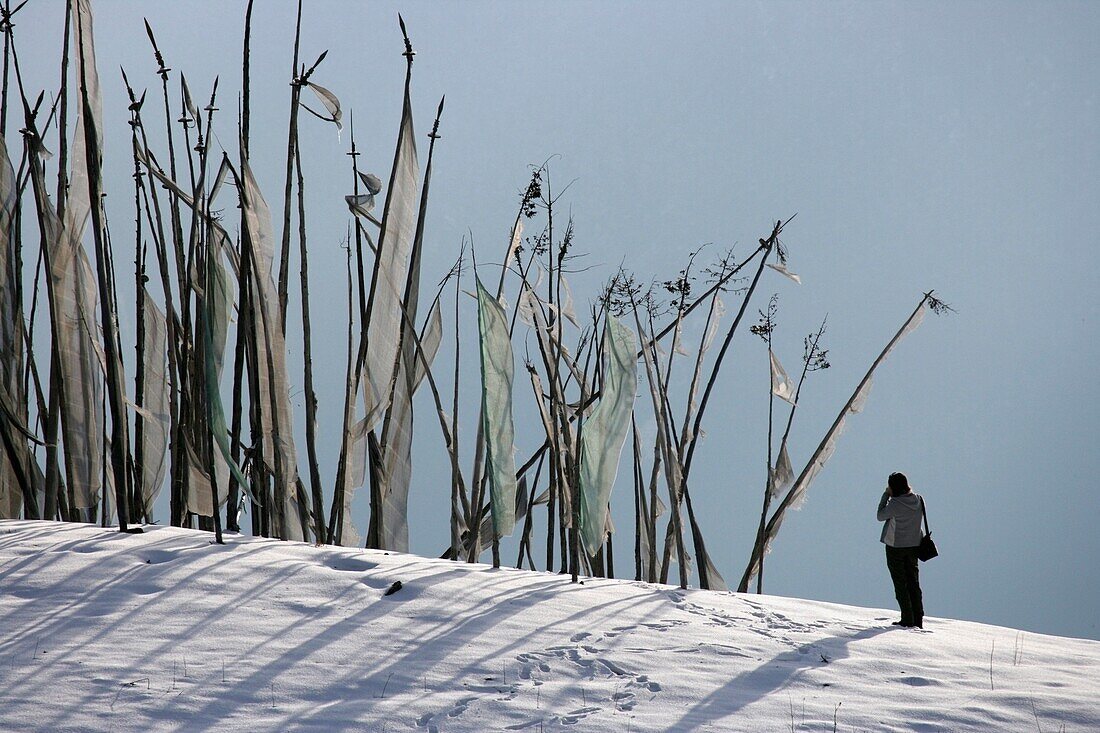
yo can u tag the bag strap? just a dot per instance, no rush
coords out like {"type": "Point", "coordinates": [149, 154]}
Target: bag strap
{"type": "Point", "coordinates": [927, 527]}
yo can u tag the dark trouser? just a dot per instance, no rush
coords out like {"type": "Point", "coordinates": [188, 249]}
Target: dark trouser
{"type": "Point", "coordinates": [902, 562]}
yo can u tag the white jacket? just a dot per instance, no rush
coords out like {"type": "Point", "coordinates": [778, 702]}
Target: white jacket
{"type": "Point", "coordinates": [902, 515]}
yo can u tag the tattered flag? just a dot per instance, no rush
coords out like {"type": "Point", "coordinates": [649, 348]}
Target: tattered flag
{"type": "Point", "coordinates": [782, 386]}
{"type": "Point", "coordinates": [331, 103]}
{"type": "Point", "coordinates": [782, 270]}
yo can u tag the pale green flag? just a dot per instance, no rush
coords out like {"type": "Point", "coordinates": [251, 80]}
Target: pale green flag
{"type": "Point", "coordinates": [496, 403]}
{"type": "Point", "coordinates": [603, 433]}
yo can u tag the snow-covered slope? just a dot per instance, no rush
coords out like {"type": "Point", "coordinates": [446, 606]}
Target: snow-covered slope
{"type": "Point", "coordinates": [166, 631]}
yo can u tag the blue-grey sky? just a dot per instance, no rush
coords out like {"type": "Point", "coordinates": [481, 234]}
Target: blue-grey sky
{"type": "Point", "coordinates": [951, 146]}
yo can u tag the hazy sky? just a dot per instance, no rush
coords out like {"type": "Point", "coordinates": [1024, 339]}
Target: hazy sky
{"type": "Point", "coordinates": [951, 146]}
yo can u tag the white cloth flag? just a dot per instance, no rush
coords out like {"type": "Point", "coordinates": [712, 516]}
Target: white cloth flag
{"type": "Point", "coordinates": [187, 102]}
{"type": "Point", "coordinates": [215, 323]}
{"type": "Point", "coordinates": [219, 300]}
{"type": "Point", "coordinates": [391, 265]}
{"type": "Point", "coordinates": [271, 349]}
{"type": "Point", "coordinates": [496, 403]}
{"type": "Point", "coordinates": [11, 341]}
{"type": "Point", "coordinates": [363, 204]}
{"type": "Point", "coordinates": [567, 302]}
{"type": "Point", "coordinates": [360, 205]}
{"type": "Point", "coordinates": [75, 292]}
{"type": "Point", "coordinates": [715, 581]}
{"type": "Point", "coordinates": [72, 305]}
{"type": "Point", "coordinates": [11, 487]}
{"type": "Point", "coordinates": [354, 472]}
{"type": "Point", "coordinates": [429, 342]}
{"type": "Point", "coordinates": [604, 432]}
{"type": "Point", "coordinates": [782, 270]}
{"type": "Point", "coordinates": [10, 310]}
{"type": "Point", "coordinates": [372, 183]}
{"type": "Point", "coordinates": [397, 428]}
{"type": "Point", "coordinates": [678, 336]}
{"type": "Point", "coordinates": [782, 386]}
{"type": "Point", "coordinates": [517, 237]}
{"type": "Point", "coordinates": [77, 205]}
{"type": "Point", "coordinates": [717, 310]}
{"type": "Point", "coordinates": [397, 452]}
{"type": "Point", "coordinates": [782, 474]}
{"type": "Point", "coordinates": [331, 102]}
{"type": "Point", "coordinates": [200, 492]}
{"type": "Point", "coordinates": [154, 437]}
{"type": "Point", "coordinates": [528, 304]}
{"type": "Point", "coordinates": [647, 546]}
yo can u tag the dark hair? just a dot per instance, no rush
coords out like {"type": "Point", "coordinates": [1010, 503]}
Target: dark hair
{"type": "Point", "coordinates": [899, 485]}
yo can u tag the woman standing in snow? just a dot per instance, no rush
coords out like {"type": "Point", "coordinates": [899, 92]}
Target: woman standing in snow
{"type": "Point", "coordinates": [902, 509]}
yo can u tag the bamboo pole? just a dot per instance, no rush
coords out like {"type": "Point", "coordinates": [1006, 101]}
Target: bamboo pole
{"type": "Point", "coordinates": [296, 82]}
{"type": "Point", "coordinates": [246, 79]}
{"type": "Point", "coordinates": [54, 495]}
{"type": "Point", "coordinates": [640, 509]}
{"type": "Point", "coordinates": [697, 536]}
{"type": "Point", "coordinates": [336, 518]}
{"type": "Point", "coordinates": [5, 27]}
{"type": "Point", "coordinates": [115, 389]}
{"type": "Point", "coordinates": [769, 476]}
{"type": "Point", "coordinates": [673, 478]}
{"type": "Point", "coordinates": [178, 469]}
{"type": "Point", "coordinates": [458, 489]}
{"type": "Point", "coordinates": [20, 364]}
{"type": "Point", "coordinates": [528, 521]}
{"type": "Point", "coordinates": [575, 472]}
{"type": "Point", "coordinates": [155, 218]}
{"type": "Point", "coordinates": [136, 503]}
{"type": "Point", "coordinates": [204, 387]}
{"type": "Point", "coordinates": [210, 251]}
{"type": "Point", "coordinates": [307, 356]}
{"type": "Point", "coordinates": [789, 498]}
{"type": "Point", "coordinates": [809, 358]}
{"type": "Point", "coordinates": [239, 356]}
{"type": "Point", "coordinates": [336, 513]}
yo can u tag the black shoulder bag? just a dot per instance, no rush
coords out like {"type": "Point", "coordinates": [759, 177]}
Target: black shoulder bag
{"type": "Point", "coordinates": [927, 548]}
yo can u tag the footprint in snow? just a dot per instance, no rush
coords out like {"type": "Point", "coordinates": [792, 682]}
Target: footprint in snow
{"type": "Point", "coordinates": [350, 564]}
{"type": "Point", "coordinates": [83, 549]}
{"type": "Point", "coordinates": [460, 706]}
{"type": "Point", "coordinates": [576, 716]}
{"type": "Point", "coordinates": [624, 701]}
{"type": "Point", "coordinates": [509, 691]}
{"type": "Point", "coordinates": [155, 557]}
{"type": "Point", "coordinates": [917, 681]}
